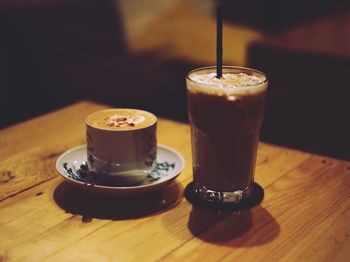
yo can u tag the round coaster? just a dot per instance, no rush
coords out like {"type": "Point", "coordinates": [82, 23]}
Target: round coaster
{"type": "Point", "coordinates": [254, 199]}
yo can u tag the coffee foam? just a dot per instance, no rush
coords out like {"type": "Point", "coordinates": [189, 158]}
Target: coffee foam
{"type": "Point", "coordinates": [121, 119]}
{"type": "Point", "coordinates": [229, 84]}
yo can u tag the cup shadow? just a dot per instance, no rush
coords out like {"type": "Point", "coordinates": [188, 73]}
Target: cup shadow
{"type": "Point", "coordinates": [112, 207]}
{"type": "Point", "coordinates": [244, 225]}
{"type": "Point", "coordinates": [245, 228]}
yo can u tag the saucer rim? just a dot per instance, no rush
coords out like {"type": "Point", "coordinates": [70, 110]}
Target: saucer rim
{"type": "Point", "coordinates": [121, 188]}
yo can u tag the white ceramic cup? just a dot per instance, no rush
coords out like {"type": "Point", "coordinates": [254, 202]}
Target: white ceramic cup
{"type": "Point", "coordinates": [121, 144]}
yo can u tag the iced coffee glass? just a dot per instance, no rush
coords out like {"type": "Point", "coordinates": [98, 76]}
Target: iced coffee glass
{"type": "Point", "coordinates": [225, 116]}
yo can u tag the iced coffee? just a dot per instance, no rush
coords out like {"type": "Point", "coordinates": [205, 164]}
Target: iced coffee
{"type": "Point", "coordinates": [226, 115]}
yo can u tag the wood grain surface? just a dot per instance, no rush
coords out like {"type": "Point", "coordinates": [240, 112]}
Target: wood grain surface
{"type": "Point", "coordinates": [304, 215]}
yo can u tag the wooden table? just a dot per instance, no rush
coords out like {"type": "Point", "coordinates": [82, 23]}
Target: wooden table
{"type": "Point", "coordinates": [305, 214]}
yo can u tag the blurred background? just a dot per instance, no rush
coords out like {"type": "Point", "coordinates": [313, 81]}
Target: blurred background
{"type": "Point", "coordinates": [131, 53]}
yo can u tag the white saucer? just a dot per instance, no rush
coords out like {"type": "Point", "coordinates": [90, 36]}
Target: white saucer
{"type": "Point", "coordinates": [169, 165]}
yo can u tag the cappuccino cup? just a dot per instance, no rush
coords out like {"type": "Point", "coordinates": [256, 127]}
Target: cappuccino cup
{"type": "Point", "coordinates": [121, 145]}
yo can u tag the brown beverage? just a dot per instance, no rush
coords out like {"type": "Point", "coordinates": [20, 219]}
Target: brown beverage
{"type": "Point", "coordinates": [121, 119]}
{"type": "Point", "coordinates": [225, 115]}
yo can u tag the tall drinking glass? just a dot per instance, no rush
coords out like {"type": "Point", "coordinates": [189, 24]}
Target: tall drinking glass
{"type": "Point", "coordinates": [225, 116]}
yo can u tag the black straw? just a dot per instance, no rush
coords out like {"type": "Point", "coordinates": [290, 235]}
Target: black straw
{"type": "Point", "coordinates": [219, 39]}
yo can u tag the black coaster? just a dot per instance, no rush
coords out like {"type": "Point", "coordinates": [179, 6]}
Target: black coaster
{"type": "Point", "coordinates": [254, 199]}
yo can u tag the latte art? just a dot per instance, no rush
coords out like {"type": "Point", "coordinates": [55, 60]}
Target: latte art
{"type": "Point", "coordinates": [121, 119]}
{"type": "Point", "coordinates": [124, 120]}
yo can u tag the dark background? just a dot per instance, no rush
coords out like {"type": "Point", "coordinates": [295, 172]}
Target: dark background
{"type": "Point", "coordinates": [136, 54]}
